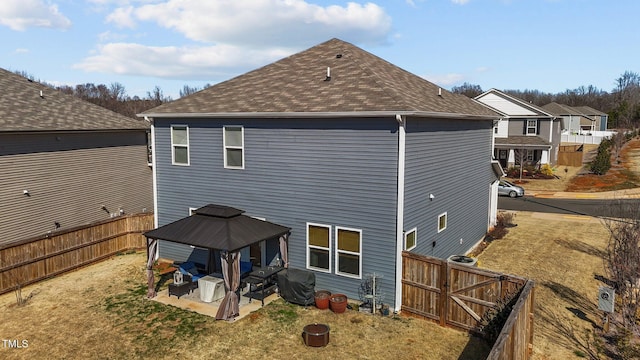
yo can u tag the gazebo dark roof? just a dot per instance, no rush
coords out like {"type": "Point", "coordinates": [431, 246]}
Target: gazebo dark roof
{"type": "Point", "coordinates": [218, 227]}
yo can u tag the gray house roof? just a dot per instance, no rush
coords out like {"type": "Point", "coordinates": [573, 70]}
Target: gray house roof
{"type": "Point", "coordinates": [563, 110]}
{"type": "Point", "coordinates": [23, 108]}
{"type": "Point", "coordinates": [334, 77]}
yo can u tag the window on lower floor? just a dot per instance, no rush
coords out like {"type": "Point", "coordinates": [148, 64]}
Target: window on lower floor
{"type": "Point", "coordinates": [318, 247]}
{"type": "Point", "coordinates": [442, 221]}
{"type": "Point", "coordinates": [348, 252]}
{"type": "Point", "coordinates": [410, 239]}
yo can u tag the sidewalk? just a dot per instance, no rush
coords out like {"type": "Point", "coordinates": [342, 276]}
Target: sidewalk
{"type": "Point", "coordinates": [620, 194]}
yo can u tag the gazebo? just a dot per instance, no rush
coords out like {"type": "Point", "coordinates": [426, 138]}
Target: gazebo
{"type": "Point", "coordinates": [223, 228]}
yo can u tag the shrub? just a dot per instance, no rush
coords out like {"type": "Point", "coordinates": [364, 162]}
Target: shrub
{"type": "Point", "coordinates": [602, 162]}
{"type": "Point", "coordinates": [546, 170]}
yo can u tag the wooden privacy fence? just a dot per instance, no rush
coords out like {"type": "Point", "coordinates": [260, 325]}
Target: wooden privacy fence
{"type": "Point", "coordinates": [570, 155]}
{"type": "Point", "coordinates": [459, 296]}
{"type": "Point", "coordinates": [32, 260]}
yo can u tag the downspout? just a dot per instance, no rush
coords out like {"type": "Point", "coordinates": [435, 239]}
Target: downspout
{"type": "Point", "coordinates": [154, 172]}
{"type": "Point", "coordinates": [400, 210]}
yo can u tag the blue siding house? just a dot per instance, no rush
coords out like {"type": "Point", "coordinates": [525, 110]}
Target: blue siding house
{"type": "Point", "coordinates": [360, 158]}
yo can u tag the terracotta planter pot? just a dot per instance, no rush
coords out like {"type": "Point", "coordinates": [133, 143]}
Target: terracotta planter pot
{"type": "Point", "coordinates": [322, 299]}
{"type": "Point", "coordinates": [338, 303]}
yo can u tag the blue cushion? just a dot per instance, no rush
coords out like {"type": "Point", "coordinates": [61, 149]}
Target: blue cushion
{"type": "Point", "coordinates": [245, 267]}
{"type": "Point", "coordinates": [188, 268]}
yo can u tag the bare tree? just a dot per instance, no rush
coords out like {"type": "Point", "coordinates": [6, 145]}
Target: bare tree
{"type": "Point", "coordinates": [468, 90]}
{"type": "Point", "coordinates": [622, 259]}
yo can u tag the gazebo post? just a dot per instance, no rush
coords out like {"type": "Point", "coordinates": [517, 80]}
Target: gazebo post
{"type": "Point", "coordinates": [151, 251]}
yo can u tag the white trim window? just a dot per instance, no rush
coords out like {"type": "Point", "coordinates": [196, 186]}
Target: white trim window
{"type": "Point", "coordinates": [532, 127]}
{"type": "Point", "coordinates": [180, 145]}
{"type": "Point", "coordinates": [349, 252]}
{"type": "Point", "coordinates": [319, 247]}
{"type": "Point", "coordinates": [410, 239]}
{"type": "Point", "coordinates": [233, 139]}
{"type": "Point", "coordinates": [442, 222]}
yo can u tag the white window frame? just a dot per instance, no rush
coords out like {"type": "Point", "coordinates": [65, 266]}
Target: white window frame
{"type": "Point", "coordinates": [529, 156]}
{"type": "Point", "coordinates": [174, 146]}
{"type": "Point", "coordinates": [308, 247]}
{"type": "Point", "coordinates": [338, 252]}
{"type": "Point", "coordinates": [225, 146]}
{"type": "Point", "coordinates": [534, 127]}
{"type": "Point", "coordinates": [446, 220]}
{"type": "Point", "coordinates": [406, 235]}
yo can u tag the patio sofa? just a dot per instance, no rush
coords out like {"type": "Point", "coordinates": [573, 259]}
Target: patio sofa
{"type": "Point", "coordinates": [190, 268]}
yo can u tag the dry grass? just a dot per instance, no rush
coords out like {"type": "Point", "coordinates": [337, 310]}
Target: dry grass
{"type": "Point", "coordinates": [100, 312]}
{"type": "Point", "coordinates": [563, 254]}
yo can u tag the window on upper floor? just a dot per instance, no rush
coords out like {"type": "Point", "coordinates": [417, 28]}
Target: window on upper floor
{"type": "Point", "coordinates": [180, 145]}
{"type": "Point", "coordinates": [233, 147]}
{"type": "Point", "coordinates": [532, 127]}
{"type": "Point", "coordinates": [442, 222]}
{"type": "Point", "coordinates": [318, 247]}
{"type": "Point", "coordinates": [348, 252]}
{"type": "Point", "coordinates": [410, 239]}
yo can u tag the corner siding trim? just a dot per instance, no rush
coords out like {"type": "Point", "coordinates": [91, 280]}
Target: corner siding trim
{"type": "Point", "coordinates": [400, 209]}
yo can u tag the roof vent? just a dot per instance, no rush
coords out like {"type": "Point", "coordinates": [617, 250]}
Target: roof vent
{"type": "Point", "coordinates": [41, 94]}
{"type": "Point", "coordinates": [328, 78]}
{"type": "Point", "coordinates": [439, 91]}
{"type": "Point", "coordinates": [339, 56]}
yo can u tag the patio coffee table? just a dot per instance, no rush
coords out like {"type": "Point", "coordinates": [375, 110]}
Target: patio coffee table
{"type": "Point", "coordinates": [180, 289]}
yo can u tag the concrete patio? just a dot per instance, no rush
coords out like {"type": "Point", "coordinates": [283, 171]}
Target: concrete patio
{"type": "Point", "coordinates": [192, 302]}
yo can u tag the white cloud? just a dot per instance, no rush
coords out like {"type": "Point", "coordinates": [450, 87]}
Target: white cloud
{"type": "Point", "coordinates": [21, 51]}
{"type": "Point", "coordinates": [122, 17]}
{"type": "Point", "coordinates": [229, 36]}
{"type": "Point", "coordinates": [20, 15]}
{"type": "Point", "coordinates": [482, 69]}
{"type": "Point", "coordinates": [460, 2]}
{"type": "Point", "coordinates": [260, 22]}
{"type": "Point", "coordinates": [446, 79]}
{"type": "Point", "coordinates": [176, 62]}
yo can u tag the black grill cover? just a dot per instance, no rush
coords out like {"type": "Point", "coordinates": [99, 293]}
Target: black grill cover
{"type": "Point", "coordinates": [297, 286]}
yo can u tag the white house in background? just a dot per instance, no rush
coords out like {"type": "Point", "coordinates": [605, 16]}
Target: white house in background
{"type": "Point", "coordinates": [526, 133]}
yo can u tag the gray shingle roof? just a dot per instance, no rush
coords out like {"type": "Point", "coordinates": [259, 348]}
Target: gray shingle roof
{"type": "Point", "coordinates": [523, 140]}
{"type": "Point", "coordinates": [359, 82]}
{"type": "Point", "coordinates": [23, 109]}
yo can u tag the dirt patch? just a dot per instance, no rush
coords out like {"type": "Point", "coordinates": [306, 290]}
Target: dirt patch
{"type": "Point", "coordinates": [624, 172]}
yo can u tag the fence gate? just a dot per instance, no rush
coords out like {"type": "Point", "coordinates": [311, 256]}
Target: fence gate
{"type": "Point", "coordinates": [452, 294]}
{"type": "Point", "coordinates": [471, 292]}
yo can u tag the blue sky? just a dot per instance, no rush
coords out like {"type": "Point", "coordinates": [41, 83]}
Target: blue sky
{"type": "Point", "coordinates": [548, 45]}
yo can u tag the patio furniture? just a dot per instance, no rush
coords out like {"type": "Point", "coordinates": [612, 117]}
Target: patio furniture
{"type": "Point", "coordinates": [262, 282]}
{"type": "Point", "coordinates": [190, 268]}
{"type": "Point", "coordinates": [297, 286]}
{"type": "Point", "coordinates": [211, 288]}
{"type": "Point", "coordinates": [183, 288]}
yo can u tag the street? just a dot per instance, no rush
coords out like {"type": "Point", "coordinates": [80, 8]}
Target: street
{"type": "Point", "coordinates": [589, 207]}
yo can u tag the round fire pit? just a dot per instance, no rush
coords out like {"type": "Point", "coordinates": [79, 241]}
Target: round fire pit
{"type": "Point", "coordinates": [316, 335]}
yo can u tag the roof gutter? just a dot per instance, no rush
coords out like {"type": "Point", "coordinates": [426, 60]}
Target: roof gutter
{"type": "Point", "coordinates": [352, 114]}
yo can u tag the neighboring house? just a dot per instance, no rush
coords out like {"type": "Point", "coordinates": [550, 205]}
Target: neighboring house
{"type": "Point", "coordinates": [526, 133]}
{"type": "Point", "coordinates": [66, 162]}
{"type": "Point", "coordinates": [600, 119]}
{"type": "Point", "coordinates": [360, 158]}
{"type": "Point", "coordinates": [579, 119]}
